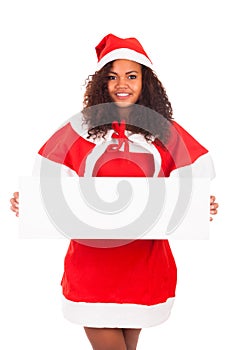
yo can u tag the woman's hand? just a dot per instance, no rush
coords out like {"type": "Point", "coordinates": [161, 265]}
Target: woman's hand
{"type": "Point", "coordinates": [213, 207]}
{"type": "Point", "coordinates": [15, 203]}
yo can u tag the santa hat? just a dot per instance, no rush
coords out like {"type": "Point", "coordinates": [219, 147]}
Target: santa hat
{"type": "Point", "coordinates": [112, 48]}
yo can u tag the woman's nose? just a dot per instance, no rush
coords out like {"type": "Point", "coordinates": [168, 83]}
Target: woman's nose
{"type": "Point", "coordinates": [122, 81]}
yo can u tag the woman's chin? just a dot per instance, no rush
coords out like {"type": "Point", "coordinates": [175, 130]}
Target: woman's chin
{"type": "Point", "coordinates": [123, 104]}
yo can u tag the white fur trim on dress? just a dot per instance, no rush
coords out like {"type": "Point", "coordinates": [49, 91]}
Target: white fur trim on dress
{"type": "Point", "coordinates": [63, 169]}
{"type": "Point", "coordinates": [202, 167]}
{"type": "Point", "coordinates": [113, 315]}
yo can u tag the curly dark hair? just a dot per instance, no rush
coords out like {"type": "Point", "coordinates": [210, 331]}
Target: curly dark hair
{"type": "Point", "coordinates": [153, 125]}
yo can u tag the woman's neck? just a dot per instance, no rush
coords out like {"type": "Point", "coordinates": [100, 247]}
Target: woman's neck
{"type": "Point", "coordinates": [124, 111]}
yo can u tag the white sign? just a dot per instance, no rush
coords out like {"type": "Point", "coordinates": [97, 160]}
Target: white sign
{"type": "Point", "coordinates": [114, 208]}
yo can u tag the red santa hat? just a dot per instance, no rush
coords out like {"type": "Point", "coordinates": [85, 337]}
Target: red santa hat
{"type": "Point", "coordinates": [112, 48]}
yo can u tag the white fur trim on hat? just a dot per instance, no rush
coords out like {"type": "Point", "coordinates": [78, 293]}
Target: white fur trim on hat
{"type": "Point", "coordinates": [126, 54]}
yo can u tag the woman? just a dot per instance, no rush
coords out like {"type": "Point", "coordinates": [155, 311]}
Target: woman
{"type": "Point", "coordinates": [116, 289]}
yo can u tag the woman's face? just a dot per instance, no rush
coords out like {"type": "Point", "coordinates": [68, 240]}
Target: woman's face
{"type": "Point", "coordinates": [125, 82]}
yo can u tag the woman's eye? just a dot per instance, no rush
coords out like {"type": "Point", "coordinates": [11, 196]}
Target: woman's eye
{"type": "Point", "coordinates": [132, 76]}
{"type": "Point", "coordinates": [111, 77]}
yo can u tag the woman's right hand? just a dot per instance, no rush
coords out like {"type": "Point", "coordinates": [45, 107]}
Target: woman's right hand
{"type": "Point", "coordinates": [15, 203]}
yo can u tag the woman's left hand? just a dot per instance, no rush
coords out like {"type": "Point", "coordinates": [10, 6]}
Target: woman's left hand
{"type": "Point", "coordinates": [213, 207]}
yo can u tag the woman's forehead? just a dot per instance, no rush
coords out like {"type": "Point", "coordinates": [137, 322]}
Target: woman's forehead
{"type": "Point", "coordinates": [123, 64]}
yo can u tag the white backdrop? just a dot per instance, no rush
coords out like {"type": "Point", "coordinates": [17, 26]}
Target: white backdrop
{"type": "Point", "coordinates": [47, 51]}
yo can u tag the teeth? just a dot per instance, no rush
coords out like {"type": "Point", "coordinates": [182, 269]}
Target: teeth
{"type": "Point", "coordinates": [121, 94]}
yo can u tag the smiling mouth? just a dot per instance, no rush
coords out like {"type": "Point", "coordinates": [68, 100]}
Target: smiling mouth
{"type": "Point", "coordinates": [122, 94]}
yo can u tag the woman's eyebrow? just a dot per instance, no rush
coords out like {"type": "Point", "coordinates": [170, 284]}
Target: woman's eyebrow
{"type": "Point", "coordinates": [130, 72]}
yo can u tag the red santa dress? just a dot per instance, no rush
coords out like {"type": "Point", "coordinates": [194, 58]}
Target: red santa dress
{"type": "Point", "coordinates": [130, 285]}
